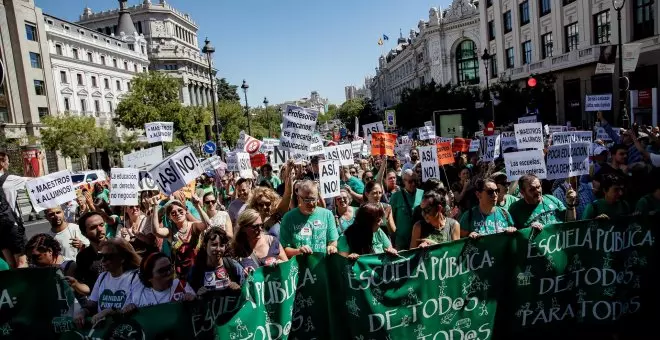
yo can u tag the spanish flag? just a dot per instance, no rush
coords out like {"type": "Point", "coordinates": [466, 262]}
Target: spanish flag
{"type": "Point", "coordinates": [380, 41]}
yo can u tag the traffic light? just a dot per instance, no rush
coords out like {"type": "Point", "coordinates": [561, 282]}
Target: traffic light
{"type": "Point", "coordinates": [531, 82]}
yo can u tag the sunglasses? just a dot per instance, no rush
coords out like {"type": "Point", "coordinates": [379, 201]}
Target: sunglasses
{"type": "Point", "coordinates": [368, 178]}
{"type": "Point", "coordinates": [165, 270]}
{"type": "Point", "coordinates": [177, 212]}
{"type": "Point", "coordinates": [263, 204]}
{"type": "Point", "coordinates": [211, 202]}
{"type": "Point", "coordinates": [490, 192]}
{"type": "Point", "coordinates": [107, 256]}
{"type": "Point", "coordinates": [135, 207]}
{"type": "Point", "coordinates": [257, 227]}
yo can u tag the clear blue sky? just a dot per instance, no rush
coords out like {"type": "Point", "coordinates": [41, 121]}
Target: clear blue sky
{"type": "Point", "coordinates": [287, 48]}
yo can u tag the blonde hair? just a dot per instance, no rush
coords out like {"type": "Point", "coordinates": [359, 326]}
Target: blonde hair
{"type": "Point", "coordinates": [269, 193]}
{"type": "Point", "coordinates": [239, 244]}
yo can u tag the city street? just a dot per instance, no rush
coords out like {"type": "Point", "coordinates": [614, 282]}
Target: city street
{"type": "Point", "coordinates": [36, 227]}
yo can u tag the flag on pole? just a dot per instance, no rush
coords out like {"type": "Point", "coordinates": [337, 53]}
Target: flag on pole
{"type": "Point", "coordinates": [385, 37]}
{"type": "Point", "coordinates": [380, 42]}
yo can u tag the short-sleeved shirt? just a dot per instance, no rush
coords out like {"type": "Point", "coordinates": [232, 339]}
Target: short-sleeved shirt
{"type": "Point", "coordinates": [495, 222]}
{"type": "Point", "coordinates": [508, 200]}
{"type": "Point", "coordinates": [355, 184]}
{"type": "Point", "coordinates": [549, 211]}
{"type": "Point", "coordinates": [403, 215]}
{"type": "Point", "coordinates": [114, 292]}
{"type": "Point", "coordinates": [315, 230]}
{"type": "Point", "coordinates": [647, 204]}
{"type": "Point", "coordinates": [147, 296]}
{"type": "Point", "coordinates": [72, 231]}
{"type": "Point", "coordinates": [600, 206]}
{"type": "Point", "coordinates": [379, 242]}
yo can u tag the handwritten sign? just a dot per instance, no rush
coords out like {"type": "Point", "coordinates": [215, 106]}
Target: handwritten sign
{"type": "Point", "coordinates": [345, 154]}
{"type": "Point", "coordinates": [508, 140]}
{"type": "Point", "coordinates": [427, 132]}
{"type": "Point", "coordinates": [568, 160]}
{"type": "Point", "coordinates": [299, 125]}
{"type": "Point", "coordinates": [159, 131]}
{"type": "Point", "coordinates": [244, 165]}
{"type": "Point", "coordinates": [124, 186]}
{"type": "Point", "coordinates": [51, 190]}
{"type": "Point", "coordinates": [143, 159]}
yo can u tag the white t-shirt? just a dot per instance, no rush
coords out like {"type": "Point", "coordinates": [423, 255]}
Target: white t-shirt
{"type": "Point", "coordinates": [220, 220]}
{"type": "Point", "coordinates": [114, 292]}
{"type": "Point", "coordinates": [64, 238]}
{"type": "Point", "coordinates": [146, 296]}
{"type": "Point", "coordinates": [10, 187]}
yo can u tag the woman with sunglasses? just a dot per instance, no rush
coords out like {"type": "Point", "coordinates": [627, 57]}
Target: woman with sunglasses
{"type": "Point", "coordinates": [344, 212]}
{"type": "Point", "coordinates": [114, 286]}
{"type": "Point", "coordinates": [158, 285]}
{"type": "Point", "coordinates": [183, 238]}
{"type": "Point", "coordinates": [486, 218]}
{"type": "Point", "coordinates": [252, 247]}
{"type": "Point", "coordinates": [373, 193]}
{"type": "Point", "coordinates": [438, 227]}
{"type": "Point", "coordinates": [137, 231]}
{"type": "Point", "coordinates": [365, 236]}
{"type": "Point", "coordinates": [213, 269]}
{"type": "Point", "coordinates": [270, 206]}
{"type": "Point", "coordinates": [211, 215]}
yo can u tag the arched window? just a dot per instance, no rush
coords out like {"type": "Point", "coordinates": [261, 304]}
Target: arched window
{"type": "Point", "coordinates": [467, 63]}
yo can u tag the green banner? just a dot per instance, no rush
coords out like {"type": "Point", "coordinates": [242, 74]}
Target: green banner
{"type": "Point", "coordinates": [568, 278]}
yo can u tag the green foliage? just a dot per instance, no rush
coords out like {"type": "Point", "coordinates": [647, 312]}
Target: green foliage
{"type": "Point", "coordinates": [231, 116]}
{"type": "Point", "coordinates": [227, 91]}
{"type": "Point", "coordinates": [350, 109]}
{"type": "Point", "coordinates": [72, 136]}
{"type": "Point", "coordinates": [329, 115]}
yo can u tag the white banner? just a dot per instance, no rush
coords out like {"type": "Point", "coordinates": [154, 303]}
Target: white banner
{"type": "Point", "coordinates": [244, 166]}
{"type": "Point", "coordinates": [329, 178]}
{"type": "Point", "coordinates": [489, 148]}
{"type": "Point", "coordinates": [124, 185]}
{"type": "Point", "coordinates": [299, 126]}
{"type": "Point", "coordinates": [212, 163]}
{"type": "Point", "coordinates": [508, 140]}
{"type": "Point", "coordinates": [317, 146]}
{"type": "Point", "coordinates": [427, 132]}
{"type": "Point", "coordinates": [568, 160]}
{"type": "Point", "coordinates": [51, 190]}
{"type": "Point", "coordinates": [268, 144]}
{"type": "Point", "coordinates": [368, 129]}
{"type": "Point", "coordinates": [523, 163]}
{"type": "Point", "coordinates": [598, 102]}
{"type": "Point", "coordinates": [631, 56]}
{"type": "Point", "coordinates": [529, 136]}
{"type": "Point", "coordinates": [331, 153]}
{"type": "Point", "coordinates": [143, 159]}
{"type": "Point", "coordinates": [159, 131]}
{"type": "Point", "coordinates": [176, 171]}
{"type": "Point", "coordinates": [526, 119]}
{"type": "Point", "coordinates": [560, 138]}
{"type": "Point", "coordinates": [429, 157]}
{"type": "Point", "coordinates": [345, 154]}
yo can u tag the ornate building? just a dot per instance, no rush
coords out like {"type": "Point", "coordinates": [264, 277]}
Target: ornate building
{"type": "Point", "coordinates": [172, 44]}
{"type": "Point", "coordinates": [444, 49]}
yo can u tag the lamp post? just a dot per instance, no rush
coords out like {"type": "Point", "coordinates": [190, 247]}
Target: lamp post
{"type": "Point", "coordinates": [208, 49]}
{"type": "Point", "coordinates": [245, 87]}
{"type": "Point", "coordinates": [623, 81]}
{"type": "Point", "coordinates": [267, 115]}
{"type": "Point", "coordinates": [486, 59]}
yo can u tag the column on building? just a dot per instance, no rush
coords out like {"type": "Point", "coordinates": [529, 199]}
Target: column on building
{"type": "Point", "coordinates": [199, 100]}
{"type": "Point", "coordinates": [193, 100]}
{"type": "Point", "coordinates": [185, 94]}
{"type": "Point", "coordinates": [207, 92]}
{"type": "Point", "coordinates": [203, 94]}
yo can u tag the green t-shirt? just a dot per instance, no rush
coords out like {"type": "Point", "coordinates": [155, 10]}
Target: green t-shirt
{"type": "Point", "coordinates": [549, 211]}
{"type": "Point", "coordinates": [403, 215]}
{"type": "Point", "coordinates": [355, 184]}
{"type": "Point", "coordinates": [486, 224]}
{"type": "Point", "coordinates": [3, 265]}
{"type": "Point", "coordinates": [508, 200]}
{"type": "Point", "coordinates": [379, 242]}
{"type": "Point", "coordinates": [315, 230]}
{"type": "Point", "coordinates": [104, 195]}
{"type": "Point", "coordinates": [647, 204]}
{"type": "Point", "coordinates": [600, 206]}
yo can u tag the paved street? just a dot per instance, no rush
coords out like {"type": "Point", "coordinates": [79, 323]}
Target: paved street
{"type": "Point", "coordinates": [36, 227]}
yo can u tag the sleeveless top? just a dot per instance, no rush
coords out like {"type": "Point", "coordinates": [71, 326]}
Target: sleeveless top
{"type": "Point", "coordinates": [270, 259]}
{"type": "Point", "coordinates": [441, 235]}
{"type": "Point", "coordinates": [343, 224]}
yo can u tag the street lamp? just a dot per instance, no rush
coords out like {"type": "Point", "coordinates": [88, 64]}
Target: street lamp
{"type": "Point", "coordinates": [208, 49]}
{"type": "Point", "coordinates": [623, 81]}
{"type": "Point", "coordinates": [486, 57]}
{"type": "Point", "coordinates": [245, 87]}
{"type": "Point", "coordinates": [267, 115]}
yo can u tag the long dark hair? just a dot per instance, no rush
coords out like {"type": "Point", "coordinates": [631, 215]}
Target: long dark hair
{"type": "Point", "coordinates": [360, 234]}
{"type": "Point", "coordinates": [368, 188]}
{"type": "Point", "coordinates": [211, 233]}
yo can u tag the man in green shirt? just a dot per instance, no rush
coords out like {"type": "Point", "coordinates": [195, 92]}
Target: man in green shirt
{"type": "Point", "coordinates": [403, 202]}
{"type": "Point", "coordinates": [537, 210]}
{"type": "Point", "coordinates": [486, 218]}
{"type": "Point", "coordinates": [612, 205]}
{"type": "Point", "coordinates": [308, 228]}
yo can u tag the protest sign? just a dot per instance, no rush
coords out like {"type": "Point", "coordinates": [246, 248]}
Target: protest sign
{"type": "Point", "coordinates": [461, 145]}
{"type": "Point", "coordinates": [598, 102]}
{"type": "Point", "coordinates": [556, 128]}
{"type": "Point", "coordinates": [383, 144]}
{"type": "Point", "coordinates": [356, 146]}
{"type": "Point", "coordinates": [146, 182]}
{"type": "Point", "coordinates": [370, 129]}
{"type": "Point", "coordinates": [51, 190]}
{"type": "Point", "coordinates": [143, 159]}
{"type": "Point", "coordinates": [232, 161]}
{"type": "Point", "coordinates": [159, 131]}
{"type": "Point", "coordinates": [428, 123]}
{"type": "Point", "coordinates": [430, 164]}
{"type": "Point", "coordinates": [345, 154]}
{"type": "Point", "coordinates": [257, 160]}
{"type": "Point", "coordinates": [568, 160]}
{"type": "Point", "coordinates": [427, 132]}
{"type": "Point", "coordinates": [602, 134]}
{"type": "Point", "coordinates": [212, 163]}
{"type": "Point", "coordinates": [474, 145]}
{"type": "Point", "coordinates": [445, 153]}
{"type": "Point", "coordinates": [508, 140]}
{"type": "Point", "coordinates": [529, 136]}
{"type": "Point", "coordinates": [317, 146]}
{"type": "Point", "coordinates": [244, 165]}
{"type": "Point", "coordinates": [489, 148]}
{"type": "Point", "coordinates": [524, 163]}
{"type": "Point", "coordinates": [124, 184]}
{"type": "Point", "coordinates": [252, 145]}
{"type": "Point", "coordinates": [176, 171]}
{"type": "Point", "coordinates": [268, 144]}
{"type": "Point", "coordinates": [331, 153]}
{"type": "Point", "coordinates": [527, 119]}
{"type": "Point", "coordinates": [559, 138]}
{"type": "Point", "coordinates": [299, 125]}
{"type": "Point", "coordinates": [329, 178]}
{"type": "Point", "coordinates": [390, 119]}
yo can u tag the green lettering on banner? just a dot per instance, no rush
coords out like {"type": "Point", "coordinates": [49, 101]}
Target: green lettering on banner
{"type": "Point", "coordinates": [572, 278]}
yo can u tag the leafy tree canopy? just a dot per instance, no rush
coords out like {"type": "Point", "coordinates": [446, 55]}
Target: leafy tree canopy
{"type": "Point", "coordinates": [227, 91]}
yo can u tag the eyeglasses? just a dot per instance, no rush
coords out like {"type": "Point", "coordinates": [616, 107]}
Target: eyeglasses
{"type": "Point", "coordinates": [177, 212]}
{"type": "Point", "coordinates": [210, 202]}
{"type": "Point", "coordinates": [164, 271]}
{"type": "Point", "coordinates": [257, 227]}
{"type": "Point", "coordinates": [308, 200]}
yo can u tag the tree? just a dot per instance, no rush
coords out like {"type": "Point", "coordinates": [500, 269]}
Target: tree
{"type": "Point", "coordinates": [227, 91]}
{"type": "Point", "coordinates": [329, 115]}
{"type": "Point", "coordinates": [72, 136]}
{"type": "Point", "coordinates": [232, 119]}
{"type": "Point", "coordinates": [350, 109]}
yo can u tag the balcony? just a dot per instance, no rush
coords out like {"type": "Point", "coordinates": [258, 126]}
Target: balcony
{"type": "Point", "coordinates": [552, 64]}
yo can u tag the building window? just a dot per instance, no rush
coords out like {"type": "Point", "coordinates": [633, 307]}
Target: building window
{"type": "Point", "coordinates": [58, 49]}
{"type": "Point", "coordinates": [67, 105]}
{"type": "Point", "coordinates": [128, 86]}
{"type": "Point", "coordinates": [43, 111]}
{"type": "Point", "coordinates": [524, 13]}
{"type": "Point", "coordinates": [79, 77]}
{"type": "Point", "coordinates": [144, 69]}
{"type": "Point", "coordinates": [510, 58]}
{"type": "Point", "coordinates": [74, 53]}
{"type": "Point", "coordinates": [566, 2]}
{"type": "Point", "coordinates": [527, 52]}
{"type": "Point", "coordinates": [35, 60]}
{"type": "Point", "coordinates": [102, 60]}
{"type": "Point", "coordinates": [118, 85]}
{"type": "Point", "coordinates": [544, 7]}
{"type": "Point", "coordinates": [508, 26]}
{"type": "Point", "coordinates": [131, 47]}
{"type": "Point", "coordinates": [491, 30]}
{"type": "Point", "coordinates": [94, 81]}
{"type": "Point", "coordinates": [97, 106]}
{"type": "Point", "coordinates": [489, 3]}
{"type": "Point", "coordinates": [546, 45]}
{"type": "Point", "coordinates": [135, 68]}
{"type": "Point", "coordinates": [110, 107]}
{"type": "Point", "coordinates": [493, 65]}
{"type": "Point", "coordinates": [90, 57]}
{"type": "Point", "coordinates": [142, 48]}
{"type": "Point", "coordinates": [643, 19]}
{"type": "Point", "coordinates": [139, 27]}
{"type": "Point", "coordinates": [125, 65]}
{"type": "Point", "coordinates": [83, 106]}
{"type": "Point", "coordinates": [106, 83]}
{"type": "Point", "coordinates": [114, 63]}
{"type": "Point", "coordinates": [467, 63]}
{"type": "Point", "coordinates": [602, 29]}
{"type": "Point", "coordinates": [39, 88]}
{"type": "Point", "coordinates": [63, 79]}
{"type": "Point", "coordinates": [572, 37]}
{"type": "Point", "coordinates": [31, 32]}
